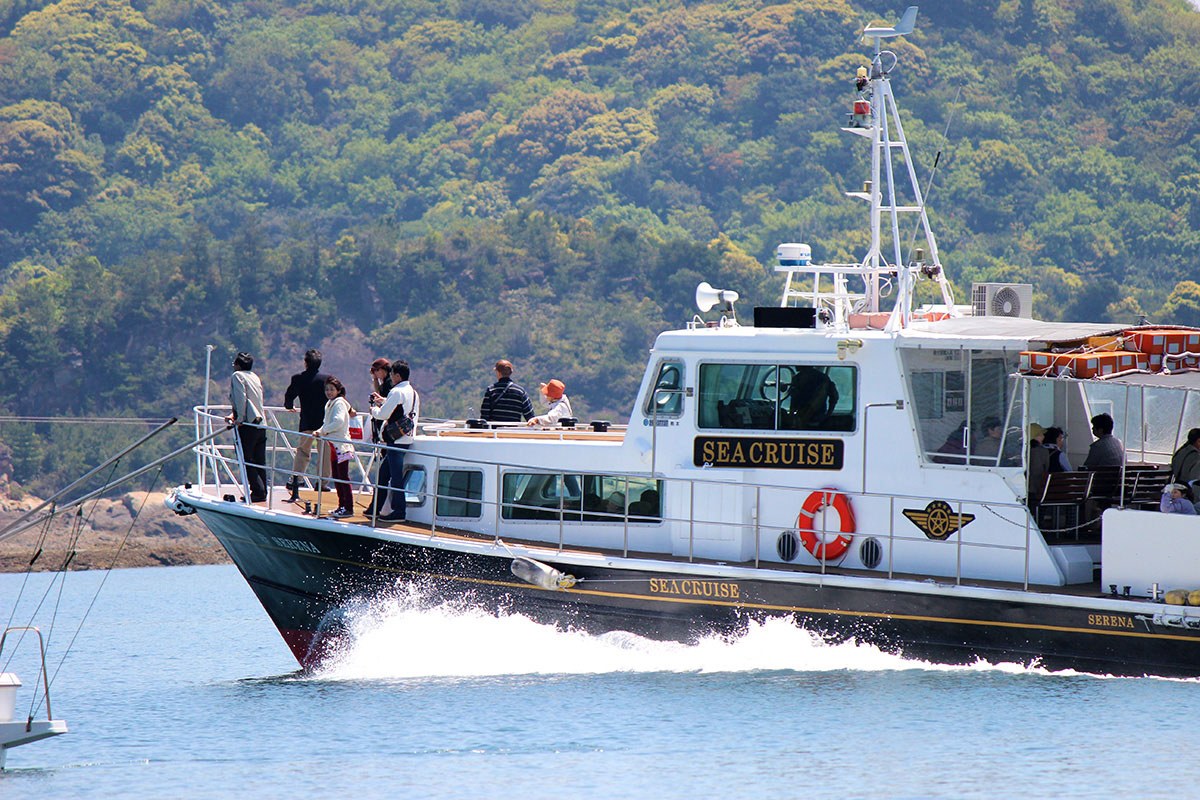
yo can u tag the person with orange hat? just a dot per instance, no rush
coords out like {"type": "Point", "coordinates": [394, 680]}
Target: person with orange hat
{"type": "Point", "coordinates": [560, 406]}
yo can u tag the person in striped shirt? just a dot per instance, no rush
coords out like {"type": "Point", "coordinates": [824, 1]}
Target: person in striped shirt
{"type": "Point", "coordinates": [504, 400]}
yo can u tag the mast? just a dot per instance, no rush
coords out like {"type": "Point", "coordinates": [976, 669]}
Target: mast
{"type": "Point", "coordinates": [876, 117]}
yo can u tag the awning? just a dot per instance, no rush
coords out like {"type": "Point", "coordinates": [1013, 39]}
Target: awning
{"type": "Point", "coordinates": [1001, 333]}
{"type": "Point", "coordinates": [1179, 381]}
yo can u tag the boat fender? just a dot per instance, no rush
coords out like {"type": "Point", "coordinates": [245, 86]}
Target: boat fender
{"type": "Point", "coordinates": [826, 550]}
{"type": "Point", "coordinates": [1176, 597]}
{"type": "Point", "coordinates": [178, 506]}
{"type": "Point", "coordinates": [1194, 597]}
{"type": "Point", "coordinates": [543, 575]}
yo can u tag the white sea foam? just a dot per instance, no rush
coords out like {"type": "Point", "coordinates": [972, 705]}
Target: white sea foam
{"type": "Point", "coordinates": [409, 637]}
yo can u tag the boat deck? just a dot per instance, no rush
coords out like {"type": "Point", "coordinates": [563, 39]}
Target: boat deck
{"type": "Point", "coordinates": [328, 502]}
{"type": "Point", "coordinates": [527, 433]}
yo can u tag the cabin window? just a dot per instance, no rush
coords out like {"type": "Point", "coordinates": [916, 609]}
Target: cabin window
{"type": "Point", "coordinates": [574, 498]}
{"type": "Point", "coordinates": [778, 397]}
{"type": "Point", "coordinates": [966, 407]}
{"type": "Point", "coordinates": [414, 486]}
{"type": "Point", "coordinates": [459, 493]}
{"type": "Point", "coordinates": [667, 393]}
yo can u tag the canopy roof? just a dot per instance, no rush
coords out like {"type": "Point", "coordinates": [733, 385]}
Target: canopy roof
{"type": "Point", "coordinates": [1001, 333]}
{"type": "Point", "coordinates": [1179, 381]}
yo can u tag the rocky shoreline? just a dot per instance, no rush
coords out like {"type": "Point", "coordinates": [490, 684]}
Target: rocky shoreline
{"type": "Point", "coordinates": [158, 537]}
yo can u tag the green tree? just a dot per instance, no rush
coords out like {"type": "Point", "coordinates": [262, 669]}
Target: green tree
{"type": "Point", "coordinates": [43, 164]}
{"type": "Point", "coordinates": [1183, 304]}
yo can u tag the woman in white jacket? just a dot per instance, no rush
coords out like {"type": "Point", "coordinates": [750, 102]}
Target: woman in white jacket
{"type": "Point", "coordinates": [337, 426]}
{"type": "Point", "coordinates": [560, 406]}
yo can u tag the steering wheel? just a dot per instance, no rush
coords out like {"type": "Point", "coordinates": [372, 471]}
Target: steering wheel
{"type": "Point", "coordinates": [776, 383]}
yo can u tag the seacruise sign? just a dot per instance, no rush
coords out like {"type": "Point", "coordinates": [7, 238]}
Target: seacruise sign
{"type": "Point", "coordinates": [745, 452]}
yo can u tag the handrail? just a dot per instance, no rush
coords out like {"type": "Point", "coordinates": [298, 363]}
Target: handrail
{"type": "Point", "coordinates": [491, 462]}
{"type": "Point", "coordinates": [623, 518]}
{"type": "Point", "coordinates": [538, 469]}
{"type": "Point", "coordinates": [42, 649]}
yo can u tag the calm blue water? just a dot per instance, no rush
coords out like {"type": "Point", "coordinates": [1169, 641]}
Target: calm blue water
{"type": "Point", "coordinates": [179, 687]}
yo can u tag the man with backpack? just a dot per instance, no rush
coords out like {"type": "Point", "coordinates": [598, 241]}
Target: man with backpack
{"type": "Point", "coordinates": [399, 412]}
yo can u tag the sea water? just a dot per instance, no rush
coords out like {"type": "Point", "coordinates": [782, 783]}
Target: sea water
{"type": "Point", "coordinates": [176, 685]}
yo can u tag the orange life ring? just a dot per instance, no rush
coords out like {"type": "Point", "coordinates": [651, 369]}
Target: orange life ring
{"type": "Point", "coordinates": [821, 550]}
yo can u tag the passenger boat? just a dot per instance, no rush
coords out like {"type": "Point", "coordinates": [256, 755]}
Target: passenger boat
{"type": "Point", "coordinates": [827, 464]}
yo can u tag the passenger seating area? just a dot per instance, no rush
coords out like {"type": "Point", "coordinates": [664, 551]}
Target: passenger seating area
{"type": "Point", "coordinates": [1071, 502]}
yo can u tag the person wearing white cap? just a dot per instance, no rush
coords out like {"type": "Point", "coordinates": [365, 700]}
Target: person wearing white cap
{"type": "Point", "coordinates": [1174, 501]}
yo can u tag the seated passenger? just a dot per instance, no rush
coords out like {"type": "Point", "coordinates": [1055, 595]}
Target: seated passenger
{"type": "Point", "coordinates": [1175, 500]}
{"type": "Point", "coordinates": [953, 446]}
{"type": "Point", "coordinates": [646, 506]}
{"type": "Point", "coordinates": [1039, 464]}
{"type": "Point", "coordinates": [1054, 440]}
{"type": "Point", "coordinates": [560, 405]}
{"type": "Point", "coordinates": [1107, 450]}
{"type": "Point", "coordinates": [1185, 464]}
{"type": "Point", "coordinates": [991, 432]}
{"type": "Point", "coordinates": [594, 503]}
{"type": "Point", "coordinates": [812, 397]}
{"type": "Point", "coordinates": [615, 504]}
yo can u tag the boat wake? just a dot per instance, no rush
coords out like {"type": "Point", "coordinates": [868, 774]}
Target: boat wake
{"type": "Point", "coordinates": [410, 637]}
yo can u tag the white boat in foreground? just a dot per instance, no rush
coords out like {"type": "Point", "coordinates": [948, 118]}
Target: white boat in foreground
{"type": "Point", "coordinates": [15, 732]}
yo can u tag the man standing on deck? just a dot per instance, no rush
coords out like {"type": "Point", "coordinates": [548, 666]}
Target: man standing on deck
{"type": "Point", "coordinates": [309, 388]}
{"type": "Point", "coordinates": [246, 397]}
{"type": "Point", "coordinates": [1185, 464]}
{"type": "Point", "coordinates": [505, 401]}
{"type": "Point", "coordinates": [402, 401]}
{"type": "Point", "coordinates": [1107, 450]}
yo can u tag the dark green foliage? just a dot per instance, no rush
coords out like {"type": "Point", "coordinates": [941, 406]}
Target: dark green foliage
{"type": "Point", "coordinates": [455, 182]}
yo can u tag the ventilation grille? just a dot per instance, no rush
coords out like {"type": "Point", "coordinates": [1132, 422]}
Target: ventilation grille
{"type": "Point", "coordinates": [870, 553]}
{"type": "Point", "coordinates": [788, 545]}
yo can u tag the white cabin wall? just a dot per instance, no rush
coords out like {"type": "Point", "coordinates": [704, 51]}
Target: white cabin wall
{"type": "Point", "coordinates": [734, 521]}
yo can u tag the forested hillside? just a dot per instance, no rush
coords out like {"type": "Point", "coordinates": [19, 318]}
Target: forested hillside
{"type": "Point", "coordinates": [454, 181]}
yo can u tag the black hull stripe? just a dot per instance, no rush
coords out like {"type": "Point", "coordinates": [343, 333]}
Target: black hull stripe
{"type": "Point", "coordinates": [721, 603]}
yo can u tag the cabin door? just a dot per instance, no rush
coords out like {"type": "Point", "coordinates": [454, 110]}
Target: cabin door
{"type": "Point", "coordinates": [715, 520]}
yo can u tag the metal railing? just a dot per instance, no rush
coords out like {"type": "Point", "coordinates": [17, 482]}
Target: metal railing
{"type": "Point", "coordinates": [45, 680]}
{"type": "Point", "coordinates": [221, 461]}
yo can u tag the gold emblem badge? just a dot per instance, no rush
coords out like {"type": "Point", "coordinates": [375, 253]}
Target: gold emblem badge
{"type": "Point", "coordinates": [938, 520]}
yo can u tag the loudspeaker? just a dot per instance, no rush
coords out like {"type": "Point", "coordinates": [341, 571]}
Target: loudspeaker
{"type": "Point", "coordinates": [707, 297]}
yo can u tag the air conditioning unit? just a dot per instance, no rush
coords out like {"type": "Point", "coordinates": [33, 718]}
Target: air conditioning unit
{"type": "Point", "coordinates": [1002, 300]}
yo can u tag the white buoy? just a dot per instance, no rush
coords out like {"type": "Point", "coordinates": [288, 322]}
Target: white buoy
{"type": "Point", "coordinates": [539, 574]}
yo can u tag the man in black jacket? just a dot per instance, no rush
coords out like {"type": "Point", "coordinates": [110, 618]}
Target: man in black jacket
{"type": "Point", "coordinates": [309, 388]}
{"type": "Point", "coordinates": [505, 401]}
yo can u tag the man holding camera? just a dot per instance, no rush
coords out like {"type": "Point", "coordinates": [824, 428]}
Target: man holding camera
{"type": "Point", "coordinates": [399, 412]}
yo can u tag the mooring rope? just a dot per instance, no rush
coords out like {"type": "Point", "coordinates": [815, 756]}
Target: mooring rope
{"type": "Point", "coordinates": [76, 527]}
{"type": "Point", "coordinates": [85, 420]}
{"type": "Point", "coordinates": [108, 570]}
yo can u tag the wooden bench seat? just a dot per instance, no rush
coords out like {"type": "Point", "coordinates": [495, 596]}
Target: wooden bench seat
{"type": "Point", "coordinates": [1072, 502]}
{"type": "Point", "coordinates": [1062, 499]}
{"type": "Point", "coordinates": [1136, 486]}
